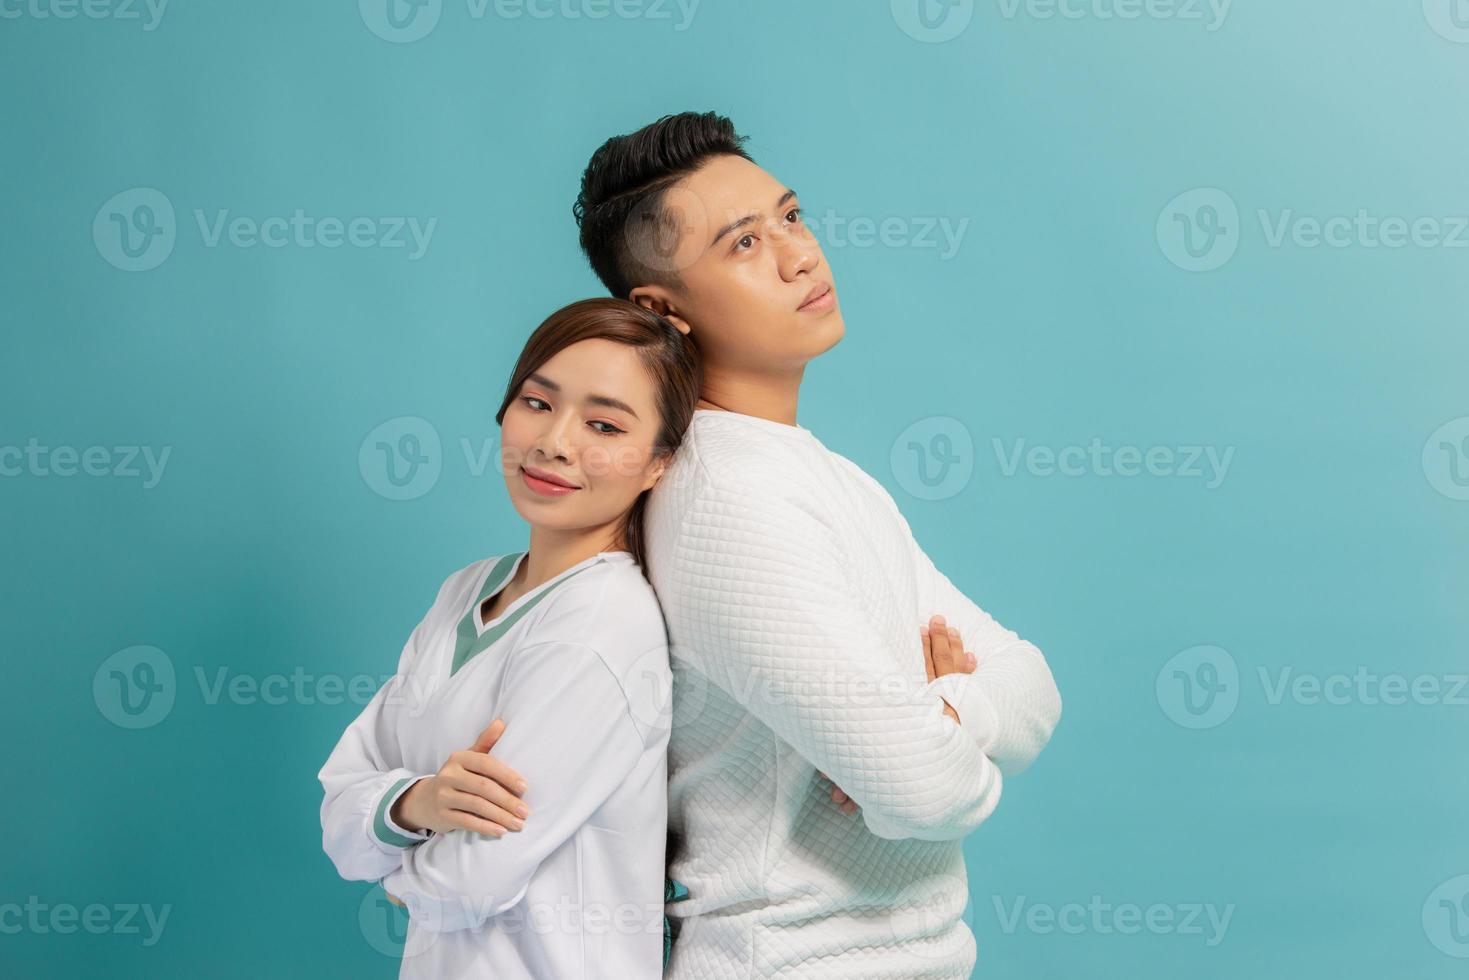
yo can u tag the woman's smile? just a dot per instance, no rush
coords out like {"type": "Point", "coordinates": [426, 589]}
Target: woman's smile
{"type": "Point", "coordinates": [545, 484]}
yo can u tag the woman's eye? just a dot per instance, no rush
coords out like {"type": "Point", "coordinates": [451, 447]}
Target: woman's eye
{"type": "Point", "coordinates": [610, 430]}
{"type": "Point", "coordinates": [532, 398]}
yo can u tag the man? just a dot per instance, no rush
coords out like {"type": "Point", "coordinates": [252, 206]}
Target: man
{"type": "Point", "coordinates": [795, 597]}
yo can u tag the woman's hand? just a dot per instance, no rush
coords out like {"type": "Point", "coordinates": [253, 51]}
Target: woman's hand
{"type": "Point", "coordinates": [473, 791]}
{"type": "Point", "coordinates": [943, 653]}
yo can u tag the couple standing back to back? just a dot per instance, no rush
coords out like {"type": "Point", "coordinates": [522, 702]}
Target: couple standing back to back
{"type": "Point", "coordinates": [722, 637]}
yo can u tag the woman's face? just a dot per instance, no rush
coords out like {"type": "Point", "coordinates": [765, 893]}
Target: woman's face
{"type": "Point", "coordinates": [586, 418]}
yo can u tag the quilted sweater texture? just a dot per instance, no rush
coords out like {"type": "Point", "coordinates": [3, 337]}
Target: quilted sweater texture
{"type": "Point", "coordinates": [793, 590]}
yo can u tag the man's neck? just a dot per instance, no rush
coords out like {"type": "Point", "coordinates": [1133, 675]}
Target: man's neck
{"type": "Point", "coordinates": [772, 397]}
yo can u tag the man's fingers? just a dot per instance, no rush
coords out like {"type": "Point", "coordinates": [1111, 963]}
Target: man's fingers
{"type": "Point", "coordinates": [938, 633]}
{"type": "Point", "coordinates": [489, 736]}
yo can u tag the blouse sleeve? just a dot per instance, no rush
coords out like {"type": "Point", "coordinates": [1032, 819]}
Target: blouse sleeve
{"type": "Point", "coordinates": [569, 731]}
{"type": "Point", "coordinates": [364, 775]}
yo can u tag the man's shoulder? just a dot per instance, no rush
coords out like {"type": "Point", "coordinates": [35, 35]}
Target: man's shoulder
{"type": "Point", "coordinates": [731, 464]}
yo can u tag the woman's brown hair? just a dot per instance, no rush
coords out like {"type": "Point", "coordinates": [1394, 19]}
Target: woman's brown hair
{"type": "Point", "coordinates": [669, 357]}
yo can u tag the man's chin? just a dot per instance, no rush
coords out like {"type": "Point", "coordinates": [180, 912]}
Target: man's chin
{"type": "Point", "coordinates": [827, 334]}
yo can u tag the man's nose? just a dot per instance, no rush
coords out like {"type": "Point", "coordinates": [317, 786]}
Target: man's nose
{"type": "Point", "coordinates": [798, 253]}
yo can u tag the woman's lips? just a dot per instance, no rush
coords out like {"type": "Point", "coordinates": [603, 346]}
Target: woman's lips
{"type": "Point", "coordinates": [544, 487]}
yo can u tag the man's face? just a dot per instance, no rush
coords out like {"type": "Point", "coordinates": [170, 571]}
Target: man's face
{"type": "Point", "coordinates": [747, 263]}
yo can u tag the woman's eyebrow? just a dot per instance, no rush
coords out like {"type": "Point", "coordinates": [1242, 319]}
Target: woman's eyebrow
{"type": "Point", "coordinates": [748, 218]}
{"type": "Point", "coordinates": [604, 400]}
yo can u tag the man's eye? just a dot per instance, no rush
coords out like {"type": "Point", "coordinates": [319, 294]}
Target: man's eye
{"type": "Point", "coordinates": [742, 240]}
{"type": "Point", "coordinates": [796, 212]}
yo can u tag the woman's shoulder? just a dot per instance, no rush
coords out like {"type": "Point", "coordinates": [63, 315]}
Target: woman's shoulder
{"type": "Point", "coordinates": [458, 590]}
{"type": "Point", "coordinates": [609, 611]}
{"type": "Point", "coordinates": [608, 606]}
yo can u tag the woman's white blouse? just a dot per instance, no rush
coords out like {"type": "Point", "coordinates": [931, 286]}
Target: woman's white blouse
{"type": "Point", "coordinates": [578, 668]}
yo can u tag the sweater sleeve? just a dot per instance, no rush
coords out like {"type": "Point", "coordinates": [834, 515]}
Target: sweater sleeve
{"type": "Point", "coordinates": [758, 600]}
{"type": "Point", "coordinates": [364, 775]}
{"type": "Point", "coordinates": [1009, 704]}
{"type": "Point", "coordinates": [569, 730]}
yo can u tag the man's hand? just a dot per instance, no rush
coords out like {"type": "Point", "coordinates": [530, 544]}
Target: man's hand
{"type": "Point", "coordinates": [394, 899]}
{"type": "Point", "coordinates": [473, 791]}
{"type": "Point", "coordinates": [943, 653]}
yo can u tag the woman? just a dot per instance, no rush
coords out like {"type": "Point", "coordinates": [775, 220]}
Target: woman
{"type": "Point", "coordinates": [551, 868]}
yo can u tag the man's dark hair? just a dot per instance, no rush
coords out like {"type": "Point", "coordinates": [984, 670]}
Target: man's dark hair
{"type": "Point", "coordinates": [620, 208]}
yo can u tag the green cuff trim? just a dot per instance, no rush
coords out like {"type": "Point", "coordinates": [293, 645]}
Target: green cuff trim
{"type": "Point", "coordinates": [380, 826]}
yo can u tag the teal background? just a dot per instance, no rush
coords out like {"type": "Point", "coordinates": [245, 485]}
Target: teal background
{"type": "Point", "coordinates": [1334, 542]}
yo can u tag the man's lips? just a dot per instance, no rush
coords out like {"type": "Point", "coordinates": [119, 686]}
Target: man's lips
{"type": "Point", "coordinates": [818, 298]}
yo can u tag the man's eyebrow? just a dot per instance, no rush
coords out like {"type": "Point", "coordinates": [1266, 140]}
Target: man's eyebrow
{"type": "Point", "coordinates": [748, 218]}
{"type": "Point", "coordinates": [603, 400]}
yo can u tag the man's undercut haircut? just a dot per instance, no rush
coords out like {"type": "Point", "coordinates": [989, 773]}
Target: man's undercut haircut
{"type": "Point", "coordinates": [620, 210]}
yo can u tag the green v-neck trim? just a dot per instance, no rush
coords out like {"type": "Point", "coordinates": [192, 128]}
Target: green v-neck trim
{"type": "Point", "coordinates": [468, 641]}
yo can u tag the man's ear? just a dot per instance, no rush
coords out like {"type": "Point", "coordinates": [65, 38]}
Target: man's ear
{"type": "Point", "coordinates": [657, 299]}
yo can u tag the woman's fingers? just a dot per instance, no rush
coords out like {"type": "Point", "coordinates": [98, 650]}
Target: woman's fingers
{"type": "Point", "coordinates": [490, 791]}
{"type": "Point", "coordinates": [927, 653]}
{"type": "Point", "coordinates": [493, 769]}
{"type": "Point", "coordinates": [478, 806]}
{"type": "Point", "coordinates": [468, 821]}
{"type": "Point", "coordinates": [489, 736]}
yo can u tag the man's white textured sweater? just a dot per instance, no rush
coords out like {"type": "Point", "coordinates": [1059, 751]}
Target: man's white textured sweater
{"type": "Point", "coordinates": [793, 591]}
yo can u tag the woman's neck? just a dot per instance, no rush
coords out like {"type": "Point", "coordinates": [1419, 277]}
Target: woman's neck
{"type": "Point", "coordinates": [552, 552]}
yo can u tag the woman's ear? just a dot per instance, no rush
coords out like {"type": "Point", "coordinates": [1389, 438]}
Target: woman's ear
{"type": "Point", "coordinates": [655, 472]}
{"type": "Point", "coordinates": [655, 298]}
